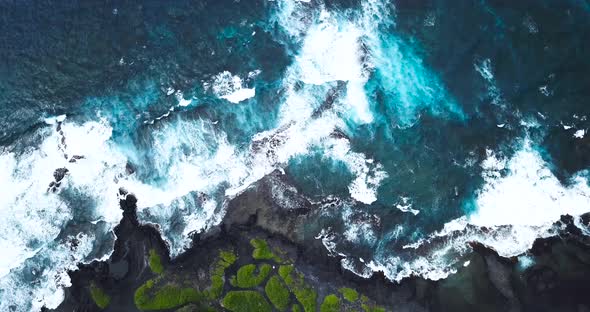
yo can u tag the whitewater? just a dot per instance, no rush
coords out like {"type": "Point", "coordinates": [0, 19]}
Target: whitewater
{"type": "Point", "coordinates": [352, 99]}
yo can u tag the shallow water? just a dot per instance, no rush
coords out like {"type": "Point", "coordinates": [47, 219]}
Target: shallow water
{"type": "Point", "coordinates": [422, 121]}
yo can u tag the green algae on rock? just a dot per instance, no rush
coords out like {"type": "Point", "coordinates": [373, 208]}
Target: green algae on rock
{"type": "Point", "coordinates": [331, 304]}
{"type": "Point", "coordinates": [167, 297]}
{"type": "Point", "coordinates": [246, 301]}
{"type": "Point", "coordinates": [101, 298]}
{"type": "Point", "coordinates": [155, 262]}
{"type": "Point", "coordinates": [247, 278]}
{"type": "Point", "coordinates": [277, 292]}
{"type": "Point", "coordinates": [226, 259]}
{"type": "Point", "coordinates": [262, 251]}
{"type": "Point", "coordinates": [306, 295]}
{"type": "Point", "coordinates": [147, 297]}
{"type": "Point", "coordinates": [351, 295]}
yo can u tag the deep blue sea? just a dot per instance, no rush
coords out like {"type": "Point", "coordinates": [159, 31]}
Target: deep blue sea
{"type": "Point", "coordinates": [415, 127]}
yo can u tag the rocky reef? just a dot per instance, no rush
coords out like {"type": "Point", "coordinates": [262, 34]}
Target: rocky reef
{"type": "Point", "coordinates": [256, 260]}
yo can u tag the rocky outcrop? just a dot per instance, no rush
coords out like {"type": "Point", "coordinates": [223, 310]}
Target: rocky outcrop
{"type": "Point", "coordinates": [58, 175]}
{"type": "Point", "coordinates": [554, 276]}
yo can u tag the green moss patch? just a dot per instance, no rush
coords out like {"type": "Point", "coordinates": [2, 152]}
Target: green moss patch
{"type": "Point", "coordinates": [155, 262]}
{"type": "Point", "coordinates": [277, 292]}
{"type": "Point", "coordinates": [296, 308]}
{"type": "Point", "coordinates": [99, 297]}
{"type": "Point", "coordinates": [285, 271]}
{"type": "Point", "coordinates": [331, 304]}
{"type": "Point", "coordinates": [149, 297]}
{"type": "Point", "coordinates": [349, 294]}
{"type": "Point", "coordinates": [262, 251]}
{"type": "Point", "coordinates": [225, 260]}
{"type": "Point", "coordinates": [245, 301]}
{"type": "Point", "coordinates": [167, 297]}
{"type": "Point", "coordinates": [228, 256]}
{"type": "Point", "coordinates": [306, 295]}
{"type": "Point", "coordinates": [248, 278]}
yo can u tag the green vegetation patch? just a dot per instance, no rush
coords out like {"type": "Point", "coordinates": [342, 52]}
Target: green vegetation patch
{"type": "Point", "coordinates": [167, 297]}
{"type": "Point", "coordinates": [147, 297]}
{"type": "Point", "coordinates": [306, 295]}
{"type": "Point", "coordinates": [101, 299]}
{"type": "Point", "coordinates": [296, 308]}
{"type": "Point", "coordinates": [155, 262]}
{"type": "Point", "coordinates": [228, 256]}
{"type": "Point", "coordinates": [349, 294]}
{"type": "Point", "coordinates": [225, 260]}
{"type": "Point", "coordinates": [262, 251]}
{"type": "Point", "coordinates": [331, 304]}
{"type": "Point", "coordinates": [245, 301]}
{"type": "Point", "coordinates": [247, 277]}
{"type": "Point", "coordinates": [277, 293]}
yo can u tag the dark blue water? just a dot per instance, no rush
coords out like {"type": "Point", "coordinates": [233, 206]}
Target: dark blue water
{"type": "Point", "coordinates": [416, 126]}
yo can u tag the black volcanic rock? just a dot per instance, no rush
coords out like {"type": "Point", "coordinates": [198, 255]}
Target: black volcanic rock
{"type": "Point", "coordinates": [59, 174]}
{"type": "Point", "coordinates": [556, 279]}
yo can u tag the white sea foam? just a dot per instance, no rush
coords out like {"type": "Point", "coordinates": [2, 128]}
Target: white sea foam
{"type": "Point", "coordinates": [519, 203]}
{"type": "Point", "coordinates": [368, 175]}
{"type": "Point", "coordinates": [327, 46]}
{"type": "Point", "coordinates": [484, 68]}
{"type": "Point", "coordinates": [182, 102]}
{"type": "Point", "coordinates": [293, 17]}
{"type": "Point", "coordinates": [516, 208]}
{"type": "Point", "coordinates": [529, 194]}
{"type": "Point", "coordinates": [40, 282]}
{"type": "Point", "coordinates": [327, 237]}
{"type": "Point", "coordinates": [34, 216]}
{"type": "Point", "coordinates": [406, 206]}
{"type": "Point", "coordinates": [579, 134]}
{"type": "Point", "coordinates": [360, 227]}
{"type": "Point", "coordinates": [525, 262]}
{"type": "Point", "coordinates": [360, 270]}
{"type": "Point", "coordinates": [24, 219]}
{"type": "Point", "coordinates": [229, 170]}
{"type": "Point", "coordinates": [230, 87]}
{"type": "Point", "coordinates": [199, 160]}
{"type": "Point", "coordinates": [328, 41]}
{"type": "Point", "coordinates": [55, 119]}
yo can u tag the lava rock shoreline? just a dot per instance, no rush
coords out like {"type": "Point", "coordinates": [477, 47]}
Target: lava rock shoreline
{"type": "Point", "coordinates": [559, 279]}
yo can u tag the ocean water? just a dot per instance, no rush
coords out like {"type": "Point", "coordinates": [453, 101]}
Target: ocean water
{"type": "Point", "coordinates": [415, 126]}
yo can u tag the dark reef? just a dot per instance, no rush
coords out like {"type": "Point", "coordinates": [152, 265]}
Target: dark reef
{"type": "Point", "coordinates": [558, 280]}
